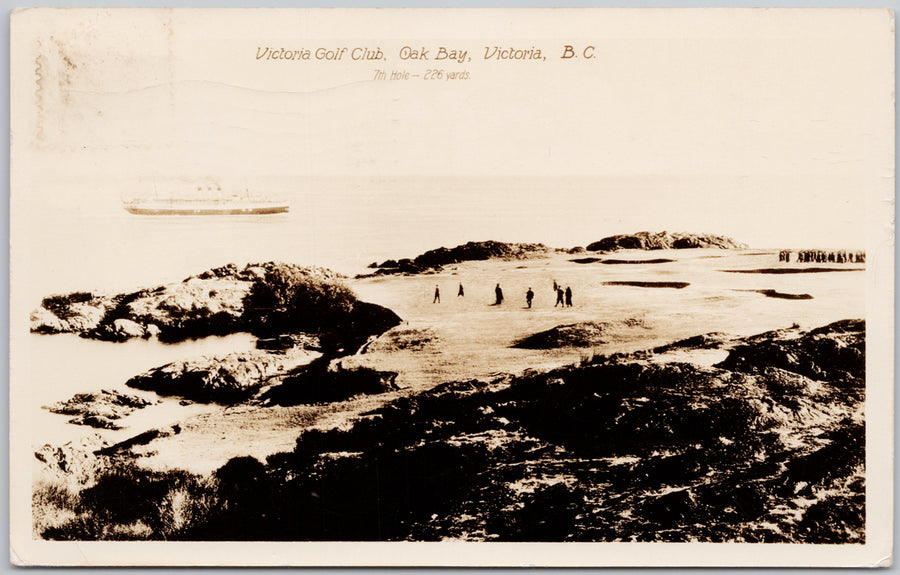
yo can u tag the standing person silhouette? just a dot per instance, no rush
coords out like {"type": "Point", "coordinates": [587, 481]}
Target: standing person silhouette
{"type": "Point", "coordinates": [568, 296]}
{"type": "Point", "coordinates": [555, 286]}
{"type": "Point", "coordinates": [499, 294]}
{"type": "Point", "coordinates": [437, 295]}
{"type": "Point", "coordinates": [559, 297]}
{"type": "Point", "coordinates": [461, 292]}
{"type": "Point", "coordinates": [529, 295]}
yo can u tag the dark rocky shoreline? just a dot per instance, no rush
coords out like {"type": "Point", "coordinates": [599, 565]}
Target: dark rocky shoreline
{"type": "Point", "coordinates": [766, 446]}
{"type": "Point", "coordinates": [434, 260]}
{"type": "Point", "coordinates": [301, 313]}
{"type": "Point", "coordinates": [664, 241]}
{"type": "Point", "coordinates": [222, 301]}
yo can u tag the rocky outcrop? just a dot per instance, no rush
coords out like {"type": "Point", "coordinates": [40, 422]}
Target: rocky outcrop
{"type": "Point", "coordinates": [226, 380]}
{"type": "Point", "coordinates": [663, 241]}
{"type": "Point", "coordinates": [836, 352]}
{"type": "Point", "coordinates": [72, 463]}
{"type": "Point", "coordinates": [73, 313]}
{"type": "Point", "coordinates": [712, 340]}
{"type": "Point", "coordinates": [767, 447]}
{"type": "Point", "coordinates": [434, 260]}
{"type": "Point", "coordinates": [328, 380]}
{"type": "Point", "coordinates": [99, 410]}
{"type": "Point", "coordinates": [216, 302]}
{"type": "Point", "coordinates": [287, 341]}
{"type": "Point", "coordinates": [192, 308]}
{"type": "Point", "coordinates": [621, 450]}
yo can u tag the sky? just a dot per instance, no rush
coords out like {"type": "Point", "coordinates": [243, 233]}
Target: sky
{"type": "Point", "coordinates": [775, 126]}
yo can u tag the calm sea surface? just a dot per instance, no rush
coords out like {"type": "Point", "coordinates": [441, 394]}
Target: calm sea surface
{"type": "Point", "coordinates": [92, 243]}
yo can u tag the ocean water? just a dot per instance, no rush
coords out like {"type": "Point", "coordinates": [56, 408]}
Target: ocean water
{"type": "Point", "coordinates": [93, 244]}
{"type": "Point", "coordinates": [78, 236]}
{"type": "Point", "coordinates": [62, 365]}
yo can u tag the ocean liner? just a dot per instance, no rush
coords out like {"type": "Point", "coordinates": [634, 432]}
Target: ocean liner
{"type": "Point", "coordinates": [209, 202]}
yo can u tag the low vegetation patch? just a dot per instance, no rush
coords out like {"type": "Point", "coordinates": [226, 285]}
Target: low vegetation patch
{"type": "Point", "coordinates": [99, 409]}
{"type": "Point", "coordinates": [226, 380]}
{"type": "Point", "coordinates": [769, 446]}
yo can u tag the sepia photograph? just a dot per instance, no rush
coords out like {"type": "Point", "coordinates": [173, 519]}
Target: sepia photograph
{"type": "Point", "coordinates": [452, 287]}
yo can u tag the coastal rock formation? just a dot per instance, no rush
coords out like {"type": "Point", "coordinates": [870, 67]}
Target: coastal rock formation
{"type": "Point", "coordinates": [287, 341]}
{"type": "Point", "coordinates": [99, 410]}
{"type": "Point", "coordinates": [270, 298]}
{"type": "Point", "coordinates": [836, 352]}
{"type": "Point", "coordinates": [76, 312]}
{"type": "Point", "coordinates": [71, 464]}
{"type": "Point", "coordinates": [663, 241]}
{"type": "Point", "coordinates": [630, 451]}
{"type": "Point", "coordinates": [227, 379]}
{"type": "Point", "coordinates": [434, 260]}
{"type": "Point", "coordinates": [768, 446]}
{"type": "Point", "coordinates": [194, 307]}
{"type": "Point", "coordinates": [328, 380]}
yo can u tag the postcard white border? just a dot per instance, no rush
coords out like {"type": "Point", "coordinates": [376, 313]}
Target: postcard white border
{"type": "Point", "coordinates": [876, 551]}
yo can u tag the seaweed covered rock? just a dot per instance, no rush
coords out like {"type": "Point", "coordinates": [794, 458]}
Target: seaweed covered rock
{"type": "Point", "coordinates": [663, 241]}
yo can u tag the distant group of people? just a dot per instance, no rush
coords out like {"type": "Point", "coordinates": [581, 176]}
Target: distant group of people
{"type": "Point", "coordinates": [824, 256]}
{"type": "Point", "coordinates": [563, 297]}
{"type": "Point", "coordinates": [437, 293]}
